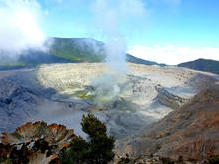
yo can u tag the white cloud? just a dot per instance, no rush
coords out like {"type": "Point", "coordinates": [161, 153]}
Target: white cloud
{"type": "Point", "coordinates": [173, 54]}
{"type": "Point", "coordinates": [19, 27]}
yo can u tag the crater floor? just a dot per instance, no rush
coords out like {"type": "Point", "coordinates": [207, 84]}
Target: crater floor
{"type": "Point", "coordinates": [128, 102]}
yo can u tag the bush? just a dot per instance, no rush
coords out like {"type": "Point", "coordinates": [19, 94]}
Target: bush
{"type": "Point", "coordinates": [77, 152]}
{"type": "Point", "coordinates": [98, 150]}
{"type": "Point", "coordinates": [92, 126]}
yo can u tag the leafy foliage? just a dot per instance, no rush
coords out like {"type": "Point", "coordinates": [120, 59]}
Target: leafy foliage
{"type": "Point", "coordinates": [77, 153]}
{"type": "Point", "coordinates": [92, 126]}
{"type": "Point", "coordinates": [98, 150]}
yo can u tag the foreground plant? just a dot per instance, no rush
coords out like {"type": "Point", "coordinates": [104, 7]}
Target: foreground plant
{"type": "Point", "coordinates": [54, 144]}
{"type": "Point", "coordinates": [98, 149]}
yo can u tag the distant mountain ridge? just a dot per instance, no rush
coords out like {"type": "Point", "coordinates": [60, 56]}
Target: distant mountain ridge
{"type": "Point", "coordinates": [202, 65]}
{"type": "Point", "coordinates": [67, 50]}
{"type": "Point", "coordinates": [136, 60]}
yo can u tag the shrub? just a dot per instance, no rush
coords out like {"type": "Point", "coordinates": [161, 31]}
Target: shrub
{"type": "Point", "coordinates": [98, 149]}
{"type": "Point", "coordinates": [92, 126]}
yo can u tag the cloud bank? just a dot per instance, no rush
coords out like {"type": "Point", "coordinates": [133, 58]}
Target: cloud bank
{"type": "Point", "coordinates": [19, 27]}
{"type": "Point", "coordinates": [174, 54]}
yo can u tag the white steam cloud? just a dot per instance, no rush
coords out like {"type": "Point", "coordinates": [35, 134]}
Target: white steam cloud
{"type": "Point", "coordinates": [111, 16]}
{"type": "Point", "coordinates": [19, 27]}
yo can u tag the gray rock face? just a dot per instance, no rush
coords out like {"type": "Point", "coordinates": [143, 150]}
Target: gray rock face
{"type": "Point", "coordinates": [169, 99]}
{"type": "Point", "coordinates": [16, 104]}
{"type": "Point", "coordinates": [20, 95]}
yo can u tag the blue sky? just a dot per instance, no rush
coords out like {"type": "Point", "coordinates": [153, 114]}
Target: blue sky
{"type": "Point", "coordinates": [185, 22]}
{"type": "Point", "coordinates": [166, 31]}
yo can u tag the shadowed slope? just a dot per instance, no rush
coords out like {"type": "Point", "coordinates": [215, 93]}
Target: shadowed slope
{"type": "Point", "coordinates": [203, 65]}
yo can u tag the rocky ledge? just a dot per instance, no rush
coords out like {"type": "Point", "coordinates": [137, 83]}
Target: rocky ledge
{"type": "Point", "coordinates": [35, 143]}
{"type": "Point", "coordinates": [169, 99]}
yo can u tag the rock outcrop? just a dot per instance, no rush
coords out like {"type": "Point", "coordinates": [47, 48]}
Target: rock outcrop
{"type": "Point", "coordinates": [169, 99]}
{"type": "Point", "coordinates": [35, 143]}
{"type": "Point", "coordinates": [16, 104]}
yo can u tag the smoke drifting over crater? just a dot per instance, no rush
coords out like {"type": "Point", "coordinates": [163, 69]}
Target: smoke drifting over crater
{"type": "Point", "coordinates": [19, 27]}
{"type": "Point", "coordinates": [110, 17]}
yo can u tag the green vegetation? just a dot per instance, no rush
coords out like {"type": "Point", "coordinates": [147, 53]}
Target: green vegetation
{"type": "Point", "coordinates": [78, 50]}
{"type": "Point", "coordinates": [77, 153]}
{"type": "Point", "coordinates": [98, 149]}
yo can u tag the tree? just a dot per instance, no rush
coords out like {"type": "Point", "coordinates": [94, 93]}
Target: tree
{"type": "Point", "coordinates": [77, 152]}
{"type": "Point", "coordinates": [92, 126]}
{"type": "Point", "coordinates": [98, 149]}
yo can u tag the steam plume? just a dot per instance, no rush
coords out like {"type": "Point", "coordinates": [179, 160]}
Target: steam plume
{"type": "Point", "coordinates": [111, 16]}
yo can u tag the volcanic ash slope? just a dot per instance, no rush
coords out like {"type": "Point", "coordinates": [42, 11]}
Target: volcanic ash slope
{"type": "Point", "coordinates": [128, 102]}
